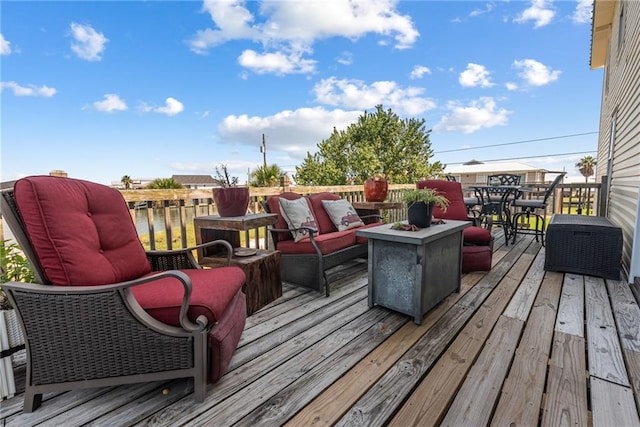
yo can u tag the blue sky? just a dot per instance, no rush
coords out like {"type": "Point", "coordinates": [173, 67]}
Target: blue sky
{"type": "Point", "coordinates": [102, 89]}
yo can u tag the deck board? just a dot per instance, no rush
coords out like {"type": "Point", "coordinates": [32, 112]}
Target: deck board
{"type": "Point", "coordinates": [519, 337]}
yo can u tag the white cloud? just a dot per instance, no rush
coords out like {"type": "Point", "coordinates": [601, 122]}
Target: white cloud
{"type": "Point", "coordinates": [481, 113]}
{"type": "Point", "coordinates": [540, 11]}
{"type": "Point", "coordinates": [171, 108]}
{"type": "Point", "coordinates": [5, 46]}
{"type": "Point", "coordinates": [89, 44]}
{"type": "Point", "coordinates": [356, 94]}
{"type": "Point", "coordinates": [487, 8]}
{"type": "Point", "coordinates": [582, 14]}
{"type": "Point", "coordinates": [475, 75]}
{"type": "Point", "coordinates": [346, 58]}
{"type": "Point", "coordinates": [29, 90]}
{"type": "Point", "coordinates": [511, 86]}
{"type": "Point", "coordinates": [276, 62]}
{"type": "Point", "coordinates": [294, 132]}
{"type": "Point", "coordinates": [535, 73]}
{"type": "Point", "coordinates": [294, 26]}
{"type": "Point", "coordinates": [111, 103]}
{"type": "Point", "coordinates": [419, 71]}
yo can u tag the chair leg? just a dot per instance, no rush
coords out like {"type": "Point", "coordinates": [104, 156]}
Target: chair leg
{"type": "Point", "coordinates": [31, 401]}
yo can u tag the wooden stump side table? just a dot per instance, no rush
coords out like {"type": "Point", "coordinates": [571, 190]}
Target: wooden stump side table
{"type": "Point", "coordinates": [264, 283]}
{"type": "Point", "coordinates": [374, 208]}
{"type": "Point", "coordinates": [213, 227]}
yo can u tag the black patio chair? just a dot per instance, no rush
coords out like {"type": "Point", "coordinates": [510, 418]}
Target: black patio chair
{"type": "Point", "coordinates": [533, 207]}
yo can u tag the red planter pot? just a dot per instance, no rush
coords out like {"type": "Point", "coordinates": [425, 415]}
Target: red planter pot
{"type": "Point", "coordinates": [375, 190]}
{"type": "Point", "coordinates": [231, 201]}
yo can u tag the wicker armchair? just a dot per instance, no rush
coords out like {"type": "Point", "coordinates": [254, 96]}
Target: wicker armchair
{"type": "Point", "coordinates": [113, 316]}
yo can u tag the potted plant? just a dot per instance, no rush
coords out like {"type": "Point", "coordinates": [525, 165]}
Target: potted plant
{"type": "Point", "coordinates": [376, 188]}
{"type": "Point", "coordinates": [230, 200]}
{"type": "Point", "coordinates": [420, 203]}
{"type": "Point", "coordinates": [14, 267]}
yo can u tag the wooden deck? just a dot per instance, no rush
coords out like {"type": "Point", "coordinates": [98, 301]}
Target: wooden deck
{"type": "Point", "coordinates": [517, 346]}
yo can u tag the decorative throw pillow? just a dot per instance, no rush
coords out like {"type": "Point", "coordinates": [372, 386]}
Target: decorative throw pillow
{"type": "Point", "coordinates": [297, 214]}
{"type": "Point", "coordinates": [342, 214]}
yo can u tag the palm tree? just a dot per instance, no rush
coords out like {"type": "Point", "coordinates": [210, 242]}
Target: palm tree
{"type": "Point", "coordinates": [266, 177]}
{"type": "Point", "coordinates": [164, 183]}
{"type": "Point", "coordinates": [126, 181]}
{"type": "Point", "coordinates": [586, 166]}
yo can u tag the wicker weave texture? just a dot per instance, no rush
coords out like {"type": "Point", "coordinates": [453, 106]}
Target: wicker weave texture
{"type": "Point", "coordinates": [585, 245]}
{"type": "Point", "coordinates": [84, 337]}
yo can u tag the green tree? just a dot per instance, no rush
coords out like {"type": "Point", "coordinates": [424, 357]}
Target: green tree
{"type": "Point", "coordinates": [266, 177]}
{"type": "Point", "coordinates": [164, 184]}
{"type": "Point", "coordinates": [126, 181]}
{"type": "Point", "coordinates": [378, 144]}
{"type": "Point", "coordinates": [586, 166]}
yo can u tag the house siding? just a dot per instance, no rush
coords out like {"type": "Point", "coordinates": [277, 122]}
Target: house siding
{"type": "Point", "coordinates": [621, 92]}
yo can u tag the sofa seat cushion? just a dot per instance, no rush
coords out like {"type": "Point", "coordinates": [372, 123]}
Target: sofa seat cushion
{"type": "Point", "coordinates": [328, 243]}
{"type": "Point", "coordinates": [211, 292]}
{"type": "Point", "coordinates": [477, 235]}
{"type": "Point", "coordinates": [362, 239]}
{"type": "Point", "coordinates": [109, 247]}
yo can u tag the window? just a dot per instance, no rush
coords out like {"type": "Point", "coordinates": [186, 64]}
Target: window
{"type": "Point", "coordinates": [481, 179]}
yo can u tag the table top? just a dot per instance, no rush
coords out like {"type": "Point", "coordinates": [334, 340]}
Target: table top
{"type": "Point", "coordinates": [377, 205]}
{"type": "Point", "coordinates": [420, 237]}
{"type": "Point", "coordinates": [236, 223]}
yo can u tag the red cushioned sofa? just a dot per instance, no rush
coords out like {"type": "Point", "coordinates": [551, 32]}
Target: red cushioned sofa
{"type": "Point", "coordinates": [477, 241]}
{"type": "Point", "coordinates": [115, 314]}
{"type": "Point", "coordinates": [306, 262]}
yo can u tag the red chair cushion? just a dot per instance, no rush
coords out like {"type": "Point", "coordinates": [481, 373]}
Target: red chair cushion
{"type": "Point", "coordinates": [456, 210]}
{"type": "Point", "coordinates": [211, 292]}
{"type": "Point", "coordinates": [225, 335]}
{"type": "Point", "coordinates": [323, 220]}
{"type": "Point", "coordinates": [476, 258]}
{"type": "Point", "coordinates": [81, 232]}
{"type": "Point", "coordinates": [328, 243]}
{"type": "Point", "coordinates": [476, 235]}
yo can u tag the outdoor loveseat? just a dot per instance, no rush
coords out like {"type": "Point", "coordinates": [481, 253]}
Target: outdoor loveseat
{"type": "Point", "coordinates": [320, 242]}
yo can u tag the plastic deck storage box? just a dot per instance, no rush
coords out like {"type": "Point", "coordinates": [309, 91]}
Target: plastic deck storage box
{"type": "Point", "coordinates": [589, 245]}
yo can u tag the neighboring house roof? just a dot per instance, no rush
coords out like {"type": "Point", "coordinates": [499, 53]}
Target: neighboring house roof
{"type": "Point", "coordinates": [492, 167]}
{"type": "Point", "coordinates": [195, 179]}
{"type": "Point", "coordinates": [600, 30]}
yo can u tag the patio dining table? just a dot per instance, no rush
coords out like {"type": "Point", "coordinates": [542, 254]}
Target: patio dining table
{"type": "Point", "coordinates": [496, 200]}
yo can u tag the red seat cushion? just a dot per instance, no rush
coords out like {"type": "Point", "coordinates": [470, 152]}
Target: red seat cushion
{"type": "Point", "coordinates": [328, 243]}
{"type": "Point", "coordinates": [323, 220]}
{"type": "Point", "coordinates": [475, 235]}
{"type": "Point", "coordinates": [81, 232]}
{"type": "Point", "coordinates": [476, 258]}
{"type": "Point", "coordinates": [211, 292]}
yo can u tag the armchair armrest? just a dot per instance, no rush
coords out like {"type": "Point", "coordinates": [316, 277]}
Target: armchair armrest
{"type": "Point", "coordinates": [78, 298]}
{"type": "Point", "coordinates": [179, 259]}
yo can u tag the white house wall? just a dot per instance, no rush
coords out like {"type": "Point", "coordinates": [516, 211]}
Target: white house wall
{"type": "Point", "coordinates": [621, 102]}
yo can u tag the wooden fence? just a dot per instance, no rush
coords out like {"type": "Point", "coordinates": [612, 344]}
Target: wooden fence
{"type": "Point", "coordinates": [164, 218]}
